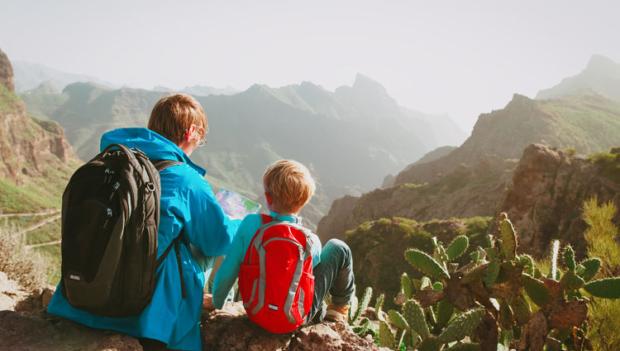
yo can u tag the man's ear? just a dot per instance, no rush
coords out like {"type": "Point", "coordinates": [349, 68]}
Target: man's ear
{"type": "Point", "coordinates": [189, 132]}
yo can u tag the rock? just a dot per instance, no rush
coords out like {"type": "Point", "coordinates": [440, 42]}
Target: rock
{"type": "Point", "coordinates": [42, 332]}
{"type": "Point", "coordinates": [547, 193]}
{"type": "Point", "coordinates": [6, 72]}
{"type": "Point", "coordinates": [29, 327]}
{"type": "Point", "coordinates": [28, 147]}
{"type": "Point", "coordinates": [10, 293]}
{"type": "Point", "coordinates": [230, 329]}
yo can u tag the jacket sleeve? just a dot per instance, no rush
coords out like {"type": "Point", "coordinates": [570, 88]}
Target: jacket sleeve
{"type": "Point", "coordinates": [207, 226]}
{"type": "Point", "coordinates": [315, 249]}
{"type": "Point", "coordinates": [229, 270]}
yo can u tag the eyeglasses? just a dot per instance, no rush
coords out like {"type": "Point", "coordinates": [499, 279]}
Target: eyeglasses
{"type": "Point", "coordinates": [203, 141]}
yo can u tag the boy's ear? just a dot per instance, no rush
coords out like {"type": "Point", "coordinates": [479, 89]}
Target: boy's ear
{"type": "Point", "coordinates": [268, 198]}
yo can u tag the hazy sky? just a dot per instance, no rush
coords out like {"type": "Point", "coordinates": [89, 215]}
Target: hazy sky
{"type": "Point", "coordinates": [457, 57]}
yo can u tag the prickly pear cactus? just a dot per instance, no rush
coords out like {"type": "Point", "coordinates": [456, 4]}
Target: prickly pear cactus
{"type": "Point", "coordinates": [457, 247]}
{"type": "Point", "coordinates": [591, 266]}
{"type": "Point", "coordinates": [406, 285]}
{"type": "Point", "coordinates": [386, 337]}
{"type": "Point", "coordinates": [508, 237]}
{"type": "Point", "coordinates": [607, 288]}
{"type": "Point", "coordinates": [491, 298]}
{"type": "Point", "coordinates": [426, 264]}
{"type": "Point", "coordinates": [462, 326]}
{"type": "Point", "coordinates": [414, 314]}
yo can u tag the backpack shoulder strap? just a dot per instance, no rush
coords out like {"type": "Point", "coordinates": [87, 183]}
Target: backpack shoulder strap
{"type": "Point", "coordinates": [266, 218]}
{"type": "Point", "coordinates": [160, 165]}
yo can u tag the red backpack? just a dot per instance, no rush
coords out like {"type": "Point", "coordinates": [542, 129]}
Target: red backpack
{"type": "Point", "coordinates": [275, 279]}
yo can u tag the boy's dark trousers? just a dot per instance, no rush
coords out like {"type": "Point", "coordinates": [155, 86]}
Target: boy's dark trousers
{"type": "Point", "coordinates": [334, 274]}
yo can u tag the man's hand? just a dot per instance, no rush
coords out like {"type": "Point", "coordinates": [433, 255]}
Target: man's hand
{"type": "Point", "coordinates": [207, 303]}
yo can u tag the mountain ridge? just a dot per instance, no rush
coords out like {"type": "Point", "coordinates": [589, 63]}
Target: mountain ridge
{"type": "Point", "coordinates": [471, 180]}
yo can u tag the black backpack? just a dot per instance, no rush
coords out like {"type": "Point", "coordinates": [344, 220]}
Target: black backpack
{"type": "Point", "coordinates": [110, 218]}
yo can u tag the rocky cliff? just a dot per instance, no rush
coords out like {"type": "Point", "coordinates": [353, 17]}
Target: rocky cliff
{"type": "Point", "coordinates": [471, 180]}
{"type": "Point", "coordinates": [548, 189]}
{"type": "Point", "coordinates": [28, 147]}
{"type": "Point", "coordinates": [35, 158]}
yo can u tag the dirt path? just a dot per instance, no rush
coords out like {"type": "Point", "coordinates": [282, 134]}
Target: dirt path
{"type": "Point", "coordinates": [39, 225]}
{"type": "Point", "coordinates": [52, 211]}
{"type": "Point", "coordinates": [49, 243]}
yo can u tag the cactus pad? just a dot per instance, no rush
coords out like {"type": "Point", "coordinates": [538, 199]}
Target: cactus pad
{"type": "Point", "coordinates": [426, 264]}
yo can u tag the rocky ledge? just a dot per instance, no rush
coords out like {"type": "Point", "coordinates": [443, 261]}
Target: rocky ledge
{"type": "Point", "coordinates": [24, 325]}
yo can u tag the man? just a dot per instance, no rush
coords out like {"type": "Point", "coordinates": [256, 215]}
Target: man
{"type": "Point", "coordinates": [177, 126]}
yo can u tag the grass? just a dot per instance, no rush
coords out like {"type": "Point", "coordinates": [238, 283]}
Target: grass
{"type": "Point", "coordinates": [601, 239]}
{"type": "Point", "coordinates": [8, 100]}
{"type": "Point", "coordinates": [585, 123]}
{"type": "Point", "coordinates": [609, 164]}
{"type": "Point", "coordinates": [19, 263]}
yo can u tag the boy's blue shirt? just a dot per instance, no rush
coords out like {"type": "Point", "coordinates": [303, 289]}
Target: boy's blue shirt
{"type": "Point", "coordinates": [229, 270]}
{"type": "Point", "coordinates": [188, 203]}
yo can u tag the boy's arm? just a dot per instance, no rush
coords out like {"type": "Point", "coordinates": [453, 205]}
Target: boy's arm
{"type": "Point", "coordinates": [229, 270]}
{"type": "Point", "coordinates": [315, 248]}
{"type": "Point", "coordinates": [208, 227]}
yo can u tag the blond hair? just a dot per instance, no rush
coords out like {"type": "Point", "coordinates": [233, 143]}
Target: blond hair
{"type": "Point", "coordinates": [289, 184]}
{"type": "Point", "coordinates": [174, 114]}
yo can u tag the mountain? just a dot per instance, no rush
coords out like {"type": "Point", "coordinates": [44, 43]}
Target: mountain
{"type": "Point", "coordinates": [601, 76]}
{"type": "Point", "coordinates": [30, 75]}
{"type": "Point", "coordinates": [350, 138]}
{"type": "Point", "coordinates": [198, 90]}
{"type": "Point", "coordinates": [204, 90]}
{"type": "Point", "coordinates": [548, 189]}
{"type": "Point", "coordinates": [433, 155]}
{"type": "Point", "coordinates": [36, 158]}
{"type": "Point", "coordinates": [471, 180]}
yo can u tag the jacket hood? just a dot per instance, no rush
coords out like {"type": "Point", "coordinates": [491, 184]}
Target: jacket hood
{"type": "Point", "coordinates": [153, 144]}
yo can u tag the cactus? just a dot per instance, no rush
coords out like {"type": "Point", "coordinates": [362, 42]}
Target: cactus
{"type": "Point", "coordinates": [426, 264]}
{"type": "Point", "coordinates": [379, 305]}
{"type": "Point", "coordinates": [406, 285]}
{"type": "Point", "coordinates": [571, 281]}
{"type": "Point", "coordinates": [528, 264]}
{"type": "Point", "coordinates": [464, 347]}
{"type": "Point", "coordinates": [430, 344]}
{"type": "Point", "coordinates": [363, 304]}
{"type": "Point", "coordinates": [457, 247]}
{"type": "Point", "coordinates": [555, 249]}
{"type": "Point", "coordinates": [398, 320]}
{"type": "Point", "coordinates": [386, 337]}
{"type": "Point", "coordinates": [491, 273]}
{"type": "Point", "coordinates": [495, 280]}
{"type": "Point", "coordinates": [508, 237]}
{"type": "Point", "coordinates": [569, 258]}
{"type": "Point", "coordinates": [536, 290]}
{"type": "Point", "coordinates": [608, 288]}
{"type": "Point", "coordinates": [445, 310]}
{"type": "Point", "coordinates": [414, 314]}
{"type": "Point", "coordinates": [462, 326]}
{"type": "Point", "coordinates": [591, 267]}
{"type": "Point", "coordinates": [521, 309]}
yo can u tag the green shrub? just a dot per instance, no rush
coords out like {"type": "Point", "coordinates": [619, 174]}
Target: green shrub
{"type": "Point", "coordinates": [601, 242]}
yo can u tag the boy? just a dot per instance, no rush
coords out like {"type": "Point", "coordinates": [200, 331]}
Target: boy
{"type": "Point", "coordinates": [288, 187]}
{"type": "Point", "coordinates": [177, 126]}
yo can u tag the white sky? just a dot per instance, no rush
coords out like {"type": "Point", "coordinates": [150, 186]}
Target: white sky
{"type": "Point", "coordinates": [457, 57]}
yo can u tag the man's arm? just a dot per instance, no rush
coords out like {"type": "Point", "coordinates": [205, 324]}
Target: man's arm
{"type": "Point", "coordinates": [208, 227]}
